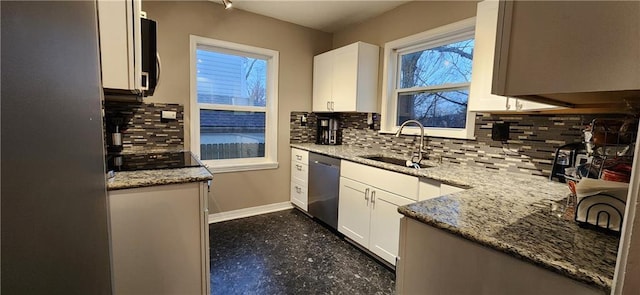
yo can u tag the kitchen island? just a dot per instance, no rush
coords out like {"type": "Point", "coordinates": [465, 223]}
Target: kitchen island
{"type": "Point", "coordinates": [507, 212]}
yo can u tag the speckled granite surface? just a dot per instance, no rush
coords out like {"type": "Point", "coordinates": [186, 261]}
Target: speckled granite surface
{"type": "Point", "coordinates": [506, 211]}
{"type": "Point", "coordinates": [142, 178]}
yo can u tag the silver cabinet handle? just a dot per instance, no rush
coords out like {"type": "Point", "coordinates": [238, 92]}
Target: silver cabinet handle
{"type": "Point", "coordinates": [299, 167]}
{"type": "Point", "coordinates": [332, 102]}
{"type": "Point", "coordinates": [366, 194]}
{"type": "Point", "coordinates": [299, 157]}
{"type": "Point", "coordinates": [373, 197]}
{"type": "Point", "coordinates": [508, 106]}
{"type": "Point", "coordinates": [298, 189]}
{"type": "Point", "coordinates": [328, 105]}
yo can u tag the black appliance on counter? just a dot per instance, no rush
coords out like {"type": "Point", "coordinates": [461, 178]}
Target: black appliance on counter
{"type": "Point", "coordinates": [328, 131]}
{"type": "Point", "coordinates": [151, 161]}
{"type": "Point", "coordinates": [568, 156]}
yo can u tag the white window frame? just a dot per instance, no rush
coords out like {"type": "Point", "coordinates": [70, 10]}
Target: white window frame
{"type": "Point", "coordinates": [270, 159]}
{"type": "Point", "coordinates": [428, 39]}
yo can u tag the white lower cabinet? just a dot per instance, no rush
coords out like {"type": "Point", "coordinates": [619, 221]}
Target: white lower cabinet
{"type": "Point", "coordinates": [160, 239]}
{"type": "Point", "coordinates": [385, 224]}
{"type": "Point", "coordinates": [369, 215]}
{"type": "Point", "coordinates": [299, 178]}
{"type": "Point", "coordinates": [353, 211]}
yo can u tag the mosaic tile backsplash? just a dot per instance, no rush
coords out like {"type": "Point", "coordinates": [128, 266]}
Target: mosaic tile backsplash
{"type": "Point", "coordinates": [142, 127]}
{"type": "Point", "coordinates": [530, 149]}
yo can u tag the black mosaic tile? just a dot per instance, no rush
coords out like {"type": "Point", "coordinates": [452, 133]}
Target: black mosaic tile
{"type": "Point", "coordinates": [536, 136]}
{"type": "Point", "coordinates": [141, 125]}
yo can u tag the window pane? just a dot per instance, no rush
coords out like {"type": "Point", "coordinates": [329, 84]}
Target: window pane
{"type": "Point", "coordinates": [445, 109]}
{"type": "Point", "coordinates": [447, 64]}
{"type": "Point", "coordinates": [230, 79]}
{"type": "Point", "coordinates": [230, 134]}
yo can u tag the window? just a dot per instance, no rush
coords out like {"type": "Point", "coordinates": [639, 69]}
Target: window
{"type": "Point", "coordinates": [427, 79]}
{"type": "Point", "coordinates": [233, 105]}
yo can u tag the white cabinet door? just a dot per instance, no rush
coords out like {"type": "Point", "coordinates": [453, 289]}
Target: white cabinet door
{"type": "Point", "coordinates": [385, 224]}
{"type": "Point", "coordinates": [322, 81]}
{"type": "Point", "coordinates": [549, 48]}
{"type": "Point", "coordinates": [480, 97]}
{"type": "Point", "coordinates": [353, 210]}
{"type": "Point", "coordinates": [120, 44]}
{"type": "Point", "coordinates": [345, 78]}
{"type": "Point", "coordinates": [480, 94]}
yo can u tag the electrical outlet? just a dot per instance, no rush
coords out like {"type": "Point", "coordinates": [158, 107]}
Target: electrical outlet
{"type": "Point", "coordinates": [168, 115]}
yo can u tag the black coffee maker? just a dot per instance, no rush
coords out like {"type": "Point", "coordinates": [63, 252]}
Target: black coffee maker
{"type": "Point", "coordinates": [328, 131]}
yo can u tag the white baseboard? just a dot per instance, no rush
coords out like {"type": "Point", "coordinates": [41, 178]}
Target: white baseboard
{"type": "Point", "coordinates": [246, 212]}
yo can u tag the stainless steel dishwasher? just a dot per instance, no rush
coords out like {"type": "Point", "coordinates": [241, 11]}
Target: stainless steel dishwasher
{"type": "Point", "coordinates": [324, 185]}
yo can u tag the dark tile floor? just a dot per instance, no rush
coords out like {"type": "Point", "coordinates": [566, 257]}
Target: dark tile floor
{"type": "Point", "coordinates": [288, 253]}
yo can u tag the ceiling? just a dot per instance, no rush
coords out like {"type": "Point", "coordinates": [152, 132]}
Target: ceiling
{"type": "Point", "coordinates": [328, 16]}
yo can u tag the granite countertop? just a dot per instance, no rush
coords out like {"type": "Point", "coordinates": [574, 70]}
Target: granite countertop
{"type": "Point", "coordinates": [506, 211]}
{"type": "Point", "coordinates": [144, 178]}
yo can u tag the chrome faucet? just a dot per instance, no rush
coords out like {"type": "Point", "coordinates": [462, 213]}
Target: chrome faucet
{"type": "Point", "coordinates": [421, 148]}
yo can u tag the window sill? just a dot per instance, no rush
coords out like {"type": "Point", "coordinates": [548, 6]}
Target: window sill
{"type": "Point", "coordinates": [441, 132]}
{"type": "Point", "coordinates": [238, 167]}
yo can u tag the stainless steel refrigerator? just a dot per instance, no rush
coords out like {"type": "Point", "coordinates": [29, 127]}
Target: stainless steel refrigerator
{"type": "Point", "coordinates": [54, 217]}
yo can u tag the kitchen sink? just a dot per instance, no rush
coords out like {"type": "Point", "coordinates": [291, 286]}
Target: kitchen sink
{"type": "Point", "coordinates": [394, 161]}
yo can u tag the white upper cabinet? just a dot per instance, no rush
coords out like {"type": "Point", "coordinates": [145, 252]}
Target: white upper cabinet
{"type": "Point", "coordinates": [120, 44]}
{"type": "Point", "coordinates": [480, 97]}
{"type": "Point", "coordinates": [569, 52]}
{"type": "Point", "coordinates": [346, 79]}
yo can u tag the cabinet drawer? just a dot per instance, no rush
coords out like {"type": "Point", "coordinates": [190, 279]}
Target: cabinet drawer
{"type": "Point", "coordinates": [397, 183]}
{"type": "Point", "coordinates": [299, 172]}
{"type": "Point", "coordinates": [299, 195]}
{"type": "Point", "coordinates": [299, 156]}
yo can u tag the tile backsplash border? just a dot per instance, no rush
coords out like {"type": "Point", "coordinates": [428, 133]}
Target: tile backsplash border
{"type": "Point", "coordinates": [530, 149]}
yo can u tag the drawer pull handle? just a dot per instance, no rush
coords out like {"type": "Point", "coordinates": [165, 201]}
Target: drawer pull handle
{"type": "Point", "coordinates": [299, 167]}
{"type": "Point", "coordinates": [366, 194]}
{"type": "Point", "coordinates": [298, 189]}
{"type": "Point", "coordinates": [299, 157]}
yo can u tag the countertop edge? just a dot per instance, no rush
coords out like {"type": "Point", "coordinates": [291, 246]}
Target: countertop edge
{"type": "Point", "coordinates": [147, 178]}
{"type": "Point", "coordinates": [155, 183]}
